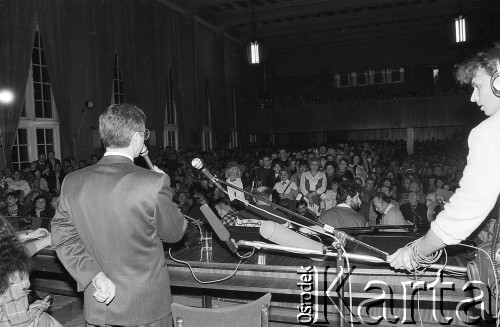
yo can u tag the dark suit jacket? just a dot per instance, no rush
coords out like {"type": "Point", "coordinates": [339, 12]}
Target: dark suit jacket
{"type": "Point", "coordinates": [51, 180]}
{"type": "Point", "coordinates": [342, 217]}
{"type": "Point", "coordinates": [421, 211]}
{"type": "Point", "coordinates": [112, 217]}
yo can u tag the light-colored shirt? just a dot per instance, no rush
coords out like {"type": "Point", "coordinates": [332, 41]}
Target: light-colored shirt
{"type": "Point", "coordinates": [479, 186]}
{"type": "Point", "coordinates": [285, 187]}
{"type": "Point", "coordinates": [19, 185]}
{"type": "Point", "coordinates": [313, 182]}
{"type": "Point", "coordinates": [117, 153]}
{"type": "Point", "coordinates": [234, 193]}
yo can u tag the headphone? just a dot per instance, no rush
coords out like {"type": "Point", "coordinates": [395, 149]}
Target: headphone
{"type": "Point", "coordinates": [495, 81]}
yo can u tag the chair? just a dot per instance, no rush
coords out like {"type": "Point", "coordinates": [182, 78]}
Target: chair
{"type": "Point", "coordinates": [253, 314]}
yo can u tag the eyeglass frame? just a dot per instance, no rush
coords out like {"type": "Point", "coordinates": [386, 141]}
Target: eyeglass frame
{"type": "Point", "coordinates": [146, 133]}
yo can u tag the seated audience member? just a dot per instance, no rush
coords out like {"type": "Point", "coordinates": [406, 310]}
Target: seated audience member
{"type": "Point", "coordinates": [369, 189]}
{"type": "Point", "coordinates": [52, 160]}
{"type": "Point", "coordinates": [13, 208]}
{"type": "Point", "coordinates": [374, 215]}
{"type": "Point", "coordinates": [357, 168]}
{"type": "Point", "coordinates": [301, 169]}
{"type": "Point", "coordinates": [14, 284]}
{"type": "Point", "coordinates": [330, 173]}
{"type": "Point", "coordinates": [274, 175]}
{"type": "Point", "coordinates": [227, 214]}
{"type": "Point", "coordinates": [43, 209]}
{"type": "Point", "coordinates": [265, 170]}
{"type": "Point", "coordinates": [27, 173]}
{"type": "Point", "coordinates": [94, 159]}
{"type": "Point", "coordinates": [233, 177]}
{"type": "Point", "coordinates": [415, 212]}
{"type": "Point", "coordinates": [429, 198]}
{"type": "Point", "coordinates": [303, 210]}
{"type": "Point", "coordinates": [55, 179]}
{"type": "Point", "coordinates": [44, 185]}
{"type": "Point", "coordinates": [345, 213]}
{"type": "Point", "coordinates": [16, 183]}
{"type": "Point", "coordinates": [251, 216]}
{"type": "Point", "coordinates": [313, 183]}
{"type": "Point", "coordinates": [282, 158]}
{"type": "Point", "coordinates": [200, 197]}
{"type": "Point", "coordinates": [285, 191]}
{"type": "Point", "coordinates": [41, 237]}
{"type": "Point", "coordinates": [391, 215]}
{"type": "Point", "coordinates": [345, 173]}
{"type": "Point", "coordinates": [6, 175]}
{"type": "Point", "coordinates": [182, 202]}
{"type": "Point", "coordinates": [35, 191]}
{"type": "Point", "coordinates": [41, 164]}
{"type": "Point", "coordinates": [82, 164]}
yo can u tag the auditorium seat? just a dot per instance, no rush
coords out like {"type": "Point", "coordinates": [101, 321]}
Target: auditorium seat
{"type": "Point", "coordinates": [255, 313]}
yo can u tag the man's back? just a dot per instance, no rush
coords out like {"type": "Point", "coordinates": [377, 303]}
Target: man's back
{"type": "Point", "coordinates": [120, 213]}
{"type": "Point", "coordinates": [342, 217]}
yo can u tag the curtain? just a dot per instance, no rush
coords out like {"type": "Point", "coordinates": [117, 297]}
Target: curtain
{"type": "Point", "coordinates": [231, 70]}
{"type": "Point", "coordinates": [144, 33]}
{"type": "Point", "coordinates": [209, 75]}
{"type": "Point", "coordinates": [17, 28]}
{"type": "Point", "coordinates": [79, 53]}
{"type": "Point", "coordinates": [167, 34]}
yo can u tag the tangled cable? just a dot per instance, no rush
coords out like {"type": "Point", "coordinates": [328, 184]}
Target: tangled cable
{"type": "Point", "coordinates": [420, 263]}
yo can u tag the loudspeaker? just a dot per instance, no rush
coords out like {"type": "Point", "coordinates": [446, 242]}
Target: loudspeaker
{"type": "Point", "coordinates": [495, 81]}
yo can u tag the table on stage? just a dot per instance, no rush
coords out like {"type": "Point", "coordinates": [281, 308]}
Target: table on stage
{"type": "Point", "coordinates": [283, 276]}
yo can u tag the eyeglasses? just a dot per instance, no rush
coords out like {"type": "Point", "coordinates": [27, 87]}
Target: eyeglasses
{"type": "Point", "coordinates": [146, 134]}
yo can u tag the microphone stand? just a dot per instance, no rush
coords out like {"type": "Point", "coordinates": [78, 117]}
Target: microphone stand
{"type": "Point", "coordinates": [304, 220]}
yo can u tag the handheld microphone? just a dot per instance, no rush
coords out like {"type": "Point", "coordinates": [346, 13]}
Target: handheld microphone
{"type": "Point", "coordinates": [198, 164]}
{"type": "Point", "coordinates": [281, 235]}
{"type": "Point", "coordinates": [144, 154]}
{"type": "Point", "coordinates": [218, 227]}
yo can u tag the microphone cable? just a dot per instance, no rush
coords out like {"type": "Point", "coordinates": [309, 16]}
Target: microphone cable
{"type": "Point", "coordinates": [242, 257]}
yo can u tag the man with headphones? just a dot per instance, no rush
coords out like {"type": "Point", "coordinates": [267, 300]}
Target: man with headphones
{"type": "Point", "coordinates": [480, 184]}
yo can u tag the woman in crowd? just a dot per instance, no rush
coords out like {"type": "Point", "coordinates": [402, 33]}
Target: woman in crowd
{"type": "Point", "coordinates": [14, 284]}
{"type": "Point", "coordinates": [16, 183]}
{"type": "Point", "coordinates": [233, 177]}
{"type": "Point", "coordinates": [42, 209]}
{"type": "Point", "coordinates": [313, 183]}
{"type": "Point", "coordinates": [13, 208]}
{"type": "Point", "coordinates": [44, 185]}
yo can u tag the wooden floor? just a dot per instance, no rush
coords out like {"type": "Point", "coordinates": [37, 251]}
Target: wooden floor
{"type": "Point", "coordinates": [68, 311]}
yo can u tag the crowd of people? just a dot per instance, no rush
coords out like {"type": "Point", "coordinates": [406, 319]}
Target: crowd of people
{"type": "Point", "coordinates": [392, 187]}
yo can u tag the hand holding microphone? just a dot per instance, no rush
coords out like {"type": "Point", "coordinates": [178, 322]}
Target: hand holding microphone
{"type": "Point", "coordinates": [144, 154]}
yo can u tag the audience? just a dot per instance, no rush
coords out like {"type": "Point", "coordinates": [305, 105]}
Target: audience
{"type": "Point", "coordinates": [313, 172]}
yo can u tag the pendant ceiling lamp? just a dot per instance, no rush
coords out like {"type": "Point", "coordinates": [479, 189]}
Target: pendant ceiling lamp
{"type": "Point", "coordinates": [253, 47]}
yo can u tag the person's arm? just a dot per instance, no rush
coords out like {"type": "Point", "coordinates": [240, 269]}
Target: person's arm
{"type": "Point", "coordinates": [478, 192]}
{"type": "Point", "coordinates": [303, 189]}
{"type": "Point", "coordinates": [322, 189]}
{"type": "Point", "coordinates": [169, 220]}
{"type": "Point", "coordinates": [69, 247]}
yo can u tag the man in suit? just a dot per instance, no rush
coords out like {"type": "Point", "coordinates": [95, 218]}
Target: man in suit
{"type": "Point", "coordinates": [391, 215]}
{"type": "Point", "coordinates": [415, 212]}
{"type": "Point", "coordinates": [52, 160]}
{"type": "Point", "coordinates": [109, 226]}
{"type": "Point", "coordinates": [345, 214]}
{"type": "Point", "coordinates": [55, 179]}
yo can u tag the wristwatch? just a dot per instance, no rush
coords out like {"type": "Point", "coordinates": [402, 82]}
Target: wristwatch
{"type": "Point", "coordinates": [27, 236]}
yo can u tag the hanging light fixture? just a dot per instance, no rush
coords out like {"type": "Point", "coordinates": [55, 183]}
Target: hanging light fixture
{"type": "Point", "coordinates": [460, 30]}
{"type": "Point", "coordinates": [253, 47]}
